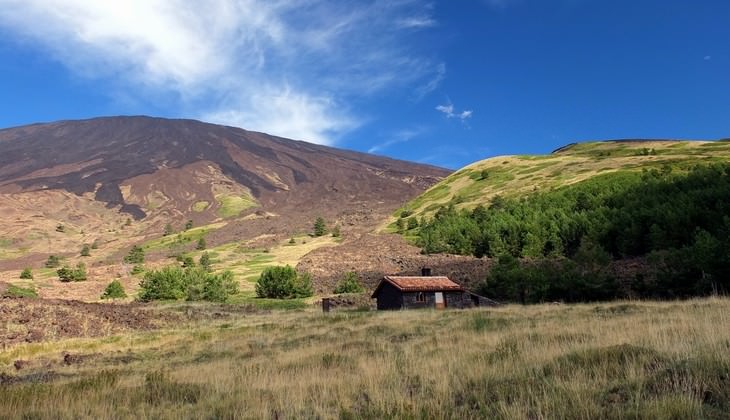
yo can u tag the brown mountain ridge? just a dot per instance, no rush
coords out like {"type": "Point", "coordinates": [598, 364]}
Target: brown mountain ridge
{"type": "Point", "coordinates": [95, 176]}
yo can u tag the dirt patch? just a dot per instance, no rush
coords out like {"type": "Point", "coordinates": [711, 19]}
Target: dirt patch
{"type": "Point", "coordinates": [36, 320]}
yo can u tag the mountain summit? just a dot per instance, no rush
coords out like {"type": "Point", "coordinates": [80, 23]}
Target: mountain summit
{"type": "Point", "coordinates": [143, 165]}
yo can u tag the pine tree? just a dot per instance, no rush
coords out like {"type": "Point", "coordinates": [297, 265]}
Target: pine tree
{"type": "Point", "coordinates": [320, 227]}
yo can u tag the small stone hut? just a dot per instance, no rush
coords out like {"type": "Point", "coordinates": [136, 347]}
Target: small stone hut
{"type": "Point", "coordinates": [425, 291]}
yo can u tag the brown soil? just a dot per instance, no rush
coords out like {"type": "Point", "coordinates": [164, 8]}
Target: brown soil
{"type": "Point", "coordinates": [35, 320]}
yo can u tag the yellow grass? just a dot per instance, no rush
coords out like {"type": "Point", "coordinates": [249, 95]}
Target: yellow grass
{"type": "Point", "coordinates": [618, 360]}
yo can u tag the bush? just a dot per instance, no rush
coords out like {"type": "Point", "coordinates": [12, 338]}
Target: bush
{"type": "Point", "coordinates": [114, 290]}
{"type": "Point", "coordinates": [138, 268]}
{"type": "Point", "coordinates": [67, 274]}
{"type": "Point", "coordinates": [349, 284]}
{"type": "Point", "coordinates": [85, 251]}
{"type": "Point", "coordinates": [53, 261]}
{"type": "Point", "coordinates": [211, 287]}
{"type": "Point", "coordinates": [188, 262]}
{"type": "Point", "coordinates": [283, 283]}
{"type": "Point", "coordinates": [26, 274]}
{"type": "Point", "coordinates": [336, 232]}
{"type": "Point", "coordinates": [412, 223]}
{"type": "Point", "coordinates": [189, 225]}
{"type": "Point", "coordinates": [173, 283]}
{"type": "Point", "coordinates": [201, 244]}
{"type": "Point", "coordinates": [205, 262]}
{"type": "Point", "coordinates": [135, 256]}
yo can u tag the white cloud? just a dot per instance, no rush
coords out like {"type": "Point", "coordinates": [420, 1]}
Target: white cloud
{"type": "Point", "coordinates": [449, 111]}
{"type": "Point", "coordinates": [271, 65]}
{"type": "Point", "coordinates": [287, 114]}
{"type": "Point", "coordinates": [400, 136]}
{"type": "Point", "coordinates": [416, 22]}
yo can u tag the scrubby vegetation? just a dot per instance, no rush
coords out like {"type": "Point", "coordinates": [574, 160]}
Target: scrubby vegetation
{"type": "Point", "coordinates": [349, 284]}
{"type": "Point", "coordinates": [676, 218]}
{"type": "Point", "coordinates": [135, 255]}
{"type": "Point", "coordinates": [175, 283]}
{"type": "Point", "coordinates": [67, 274]}
{"type": "Point", "coordinates": [587, 361]}
{"type": "Point", "coordinates": [53, 261]}
{"type": "Point", "coordinates": [26, 274]}
{"type": "Point", "coordinates": [283, 283]}
{"type": "Point", "coordinates": [114, 290]}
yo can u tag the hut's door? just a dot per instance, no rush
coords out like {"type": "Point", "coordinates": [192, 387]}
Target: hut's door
{"type": "Point", "coordinates": [440, 302]}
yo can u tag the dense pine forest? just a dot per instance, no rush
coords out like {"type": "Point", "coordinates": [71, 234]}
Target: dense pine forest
{"type": "Point", "coordinates": [569, 243]}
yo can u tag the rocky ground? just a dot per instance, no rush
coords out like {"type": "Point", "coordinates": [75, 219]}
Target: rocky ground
{"type": "Point", "coordinates": [372, 256]}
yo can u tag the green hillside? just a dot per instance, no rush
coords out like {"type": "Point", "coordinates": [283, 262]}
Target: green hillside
{"type": "Point", "coordinates": [510, 176]}
{"type": "Point", "coordinates": [594, 221]}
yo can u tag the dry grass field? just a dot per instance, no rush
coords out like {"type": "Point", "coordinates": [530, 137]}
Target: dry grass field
{"type": "Point", "coordinates": [616, 360]}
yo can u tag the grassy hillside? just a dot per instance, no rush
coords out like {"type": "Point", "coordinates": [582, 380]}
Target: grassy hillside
{"type": "Point", "coordinates": [511, 176]}
{"type": "Point", "coordinates": [620, 360]}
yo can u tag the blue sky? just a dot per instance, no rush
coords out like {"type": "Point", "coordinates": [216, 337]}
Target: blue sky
{"type": "Point", "coordinates": [440, 82]}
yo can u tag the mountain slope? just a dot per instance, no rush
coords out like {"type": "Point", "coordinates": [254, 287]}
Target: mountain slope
{"type": "Point", "coordinates": [120, 180]}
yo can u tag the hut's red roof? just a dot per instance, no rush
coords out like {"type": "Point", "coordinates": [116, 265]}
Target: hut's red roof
{"type": "Point", "coordinates": [420, 284]}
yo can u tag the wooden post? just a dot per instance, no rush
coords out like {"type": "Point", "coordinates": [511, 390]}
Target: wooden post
{"type": "Point", "coordinates": [325, 304]}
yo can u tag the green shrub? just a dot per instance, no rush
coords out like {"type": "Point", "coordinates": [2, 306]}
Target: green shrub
{"type": "Point", "coordinates": [135, 256]}
{"type": "Point", "coordinates": [211, 287]}
{"type": "Point", "coordinates": [189, 225]}
{"type": "Point", "coordinates": [349, 284]}
{"type": "Point", "coordinates": [283, 283]}
{"type": "Point", "coordinates": [205, 262]}
{"type": "Point", "coordinates": [138, 268]}
{"type": "Point", "coordinates": [16, 291]}
{"type": "Point", "coordinates": [67, 274]}
{"type": "Point", "coordinates": [336, 232]}
{"type": "Point", "coordinates": [114, 290]}
{"type": "Point", "coordinates": [412, 223]}
{"type": "Point", "coordinates": [188, 262]}
{"type": "Point", "coordinates": [26, 274]}
{"type": "Point", "coordinates": [85, 251]}
{"type": "Point", "coordinates": [173, 283]}
{"type": "Point", "coordinates": [201, 244]}
{"type": "Point", "coordinates": [53, 261]}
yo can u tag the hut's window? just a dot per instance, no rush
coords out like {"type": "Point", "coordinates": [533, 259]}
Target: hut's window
{"type": "Point", "coordinates": [420, 297]}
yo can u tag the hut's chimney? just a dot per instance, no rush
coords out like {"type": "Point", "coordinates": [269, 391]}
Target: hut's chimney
{"type": "Point", "coordinates": [426, 272]}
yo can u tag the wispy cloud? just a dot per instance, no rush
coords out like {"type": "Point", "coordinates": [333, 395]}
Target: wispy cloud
{"type": "Point", "coordinates": [400, 136]}
{"type": "Point", "coordinates": [450, 112]}
{"type": "Point", "coordinates": [416, 22]}
{"type": "Point", "coordinates": [269, 65]}
{"type": "Point", "coordinates": [433, 84]}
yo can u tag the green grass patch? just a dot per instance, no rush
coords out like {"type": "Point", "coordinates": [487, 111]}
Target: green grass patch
{"type": "Point", "coordinates": [233, 205]}
{"type": "Point", "coordinates": [178, 239]}
{"type": "Point", "coordinates": [200, 206]}
{"type": "Point", "coordinates": [17, 291]}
